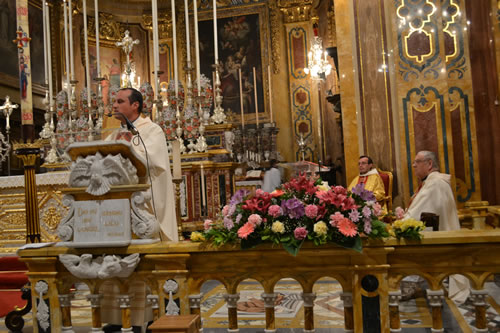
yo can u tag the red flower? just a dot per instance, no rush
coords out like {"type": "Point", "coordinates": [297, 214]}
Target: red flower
{"type": "Point", "coordinates": [301, 183]}
{"type": "Point", "coordinates": [347, 227]}
{"type": "Point", "coordinates": [258, 204]}
{"type": "Point", "coordinates": [246, 230]}
{"type": "Point", "coordinates": [277, 193]}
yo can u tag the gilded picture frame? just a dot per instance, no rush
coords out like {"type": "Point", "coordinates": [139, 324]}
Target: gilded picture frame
{"type": "Point", "coordinates": [243, 42]}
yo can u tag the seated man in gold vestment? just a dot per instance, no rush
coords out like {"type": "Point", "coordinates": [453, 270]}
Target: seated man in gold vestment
{"type": "Point", "coordinates": [369, 176]}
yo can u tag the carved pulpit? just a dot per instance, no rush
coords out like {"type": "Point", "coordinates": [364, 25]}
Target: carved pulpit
{"type": "Point", "coordinates": [107, 197]}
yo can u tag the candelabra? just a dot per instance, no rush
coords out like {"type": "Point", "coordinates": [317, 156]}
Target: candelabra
{"type": "Point", "coordinates": [218, 117]}
{"type": "Point", "coordinates": [6, 109]}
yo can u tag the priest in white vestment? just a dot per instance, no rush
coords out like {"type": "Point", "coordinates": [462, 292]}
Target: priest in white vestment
{"type": "Point", "coordinates": [129, 104]}
{"type": "Point", "coordinates": [434, 195]}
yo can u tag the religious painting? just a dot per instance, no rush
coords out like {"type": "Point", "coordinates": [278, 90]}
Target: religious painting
{"type": "Point", "coordinates": [110, 62]}
{"type": "Point", "coordinates": [9, 68]}
{"type": "Point", "coordinates": [242, 44]}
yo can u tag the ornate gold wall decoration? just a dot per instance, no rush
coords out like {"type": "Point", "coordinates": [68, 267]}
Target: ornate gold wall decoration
{"type": "Point", "coordinates": [109, 29]}
{"type": "Point", "coordinates": [164, 24]}
{"type": "Point", "coordinates": [296, 14]}
{"type": "Point", "coordinates": [332, 29]}
{"type": "Point", "coordinates": [275, 19]}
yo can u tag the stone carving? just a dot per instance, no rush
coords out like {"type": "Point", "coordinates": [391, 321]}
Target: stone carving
{"type": "Point", "coordinates": [171, 287]}
{"type": "Point", "coordinates": [102, 267]}
{"type": "Point", "coordinates": [229, 141]}
{"type": "Point", "coordinates": [144, 223]}
{"type": "Point", "coordinates": [98, 173]}
{"type": "Point", "coordinates": [66, 226]}
{"type": "Point", "coordinates": [42, 313]}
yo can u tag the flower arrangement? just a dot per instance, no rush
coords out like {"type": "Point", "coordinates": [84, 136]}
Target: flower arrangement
{"type": "Point", "coordinates": [407, 228]}
{"type": "Point", "coordinates": [302, 209]}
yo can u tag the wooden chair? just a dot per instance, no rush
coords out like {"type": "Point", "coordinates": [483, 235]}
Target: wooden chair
{"type": "Point", "coordinates": [387, 180]}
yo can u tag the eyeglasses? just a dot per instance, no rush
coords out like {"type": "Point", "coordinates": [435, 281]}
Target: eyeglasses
{"type": "Point", "coordinates": [420, 161]}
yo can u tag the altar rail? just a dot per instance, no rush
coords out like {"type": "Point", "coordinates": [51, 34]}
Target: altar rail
{"type": "Point", "coordinates": [473, 253]}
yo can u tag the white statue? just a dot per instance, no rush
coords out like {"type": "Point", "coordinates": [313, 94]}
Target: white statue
{"type": "Point", "coordinates": [102, 267]}
{"type": "Point", "coordinates": [98, 173]}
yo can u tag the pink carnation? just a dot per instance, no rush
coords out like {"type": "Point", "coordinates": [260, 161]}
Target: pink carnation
{"type": "Point", "coordinates": [207, 224]}
{"type": "Point", "coordinates": [225, 210]}
{"type": "Point", "coordinates": [400, 212]}
{"type": "Point", "coordinates": [336, 218]}
{"type": "Point", "coordinates": [255, 219]}
{"type": "Point", "coordinates": [246, 230]}
{"type": "Point", "coordinates": [311, 211]}
{"type": "Point", "coordinates": [274, 211]}
{"type": "Point", "coordinates": [377, 209]}
{"type": "Point", "coordinates": [259, 192]}
{"type": "Point", "coordinates": [300, 233]}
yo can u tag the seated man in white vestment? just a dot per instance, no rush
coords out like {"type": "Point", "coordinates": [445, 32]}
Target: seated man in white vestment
{"type": "Point", "coordinates": [128, 104]}
{"type": "Point", "coordinates": [435, 195]}
{"type": "Point", "coordinates": [272, 178]}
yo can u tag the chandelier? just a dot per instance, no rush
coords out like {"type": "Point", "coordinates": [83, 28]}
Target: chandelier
{"type": "Point", "coordinates": [318, 65]}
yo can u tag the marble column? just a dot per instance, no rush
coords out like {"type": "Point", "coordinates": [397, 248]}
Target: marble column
{"type": "Point", "coordinates": [395, 322]}
{"type": "Point", "coordinates": [308, 311]}
{"type": "Point", "coordinates": [269, 300]}
{"type": "Point", "coordinates": [231, 300]}
{"type": "Point", "coordinates": [95, 306]}
{"type": "Point", "coordinates": [435, 299]}
{"type": "Point", "coordinates": [479, 300]}
{"type": "Point", "coordinates": [65, 303]}
{"type": "Point", "coordinates": [124, 302]}
{"type": "Point", "coordinates": [346, 297]}
{"type": "Point", "coordinates": [195, 308]}
{"type": "Point", "coordinates": [153, 301]}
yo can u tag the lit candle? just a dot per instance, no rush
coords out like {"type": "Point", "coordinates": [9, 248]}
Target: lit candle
{"type": "Point", "coordinates": [155, 47]}
{"type": "Point", "coordinates": [270, 95]}
{"type": "Point", "coordinates": [66, 53]}
{"type": "Point", "coordinates": [87, 62]}
{"type": "Point", "coordinates": [216, 51]}
{"type": "Point", "coordinates": [188, 45]}
{"type": "Point", "coordinates": [241, 100]}
{"type": "Point", "coordinates": [70, 27]}
{"type": "Point", "coordinates": [44, 16]}
{"type": "Point", "coordinates": [176, 156]}
{"type": "Point", "coordinates": [255, 97]}
{"type": "Point", "coordinates": [203, 199]}
{"type": "Point", "coordinates": [97, 51]}
{"type": "Point", "coordinates": [197, 47]}
{"type": "Point", "coordinates": [174, 38]}
{"type": "Point", "coordinates": [49, 54]}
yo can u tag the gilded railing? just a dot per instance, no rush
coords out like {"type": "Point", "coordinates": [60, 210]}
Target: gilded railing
{"type": "Point", "coordinates": [472, 253]}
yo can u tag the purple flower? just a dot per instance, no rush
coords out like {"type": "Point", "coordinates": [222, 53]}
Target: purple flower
{"type": "Point", "coordinates": [367, 212]}
{"type": "Point", "coordinates": [238, 196]}
{"type": "Point", "coordinates": [293, 208]}
{"type": "Point", "coordinates": [228, 223]}
{"type": "Point", "coordinates": [300, 233]}
{"type": "Point", "coordinates": [238, 218]}
{"type": "Point", "coordinates": [354, 215]}
{"type": "Point", "coordinates": [363, 193]}
{"type": "Point", "coordinates": [367, 226]}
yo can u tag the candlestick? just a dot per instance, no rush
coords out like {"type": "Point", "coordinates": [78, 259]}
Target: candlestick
{"type": "Point", "coordinates": [203, 199]}
{"type": "Point", "coordinates": [255, 97]}
{"type": "Point", "coordinates": [241, 100]}
{"type": "Point", "coordinates": [97, 51]}
{"type": "Point", "coordinates": [216, 51]}
{"type": "Point", "coordinates": [45, 67]}
{"type": "Point", "coordinates": [155, 48]}
{"type": "Point", "coordinates": [71, 53]}
{"type": "Point", "coordinates": [87, 62]}
{"type": "Point", "coordinates": [188, 46]}
{"type": "Point", "coordinates": [174, 38]}
{"type": "Point", "coordinates": [197, 46]}
{"type": "Point", "coordinates": [176, 156]}
{"type": "Point", "coordinates": [270, 95]}
{"type": "Point", "coordinates": [66, 49]}
{"type": "Point", "coordinates": [49, 56]}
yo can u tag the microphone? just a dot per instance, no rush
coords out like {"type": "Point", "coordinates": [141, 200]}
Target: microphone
{"type": "Point", "coordinates": [130, 126]}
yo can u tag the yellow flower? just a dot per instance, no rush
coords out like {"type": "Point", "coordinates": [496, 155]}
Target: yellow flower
{"type": "Point", "coordinates": [320, 228]}
{"type": "Point", "coordinates": [324, 186]}
{"type": "Point", "coordinates": [278, 227]}
{"type": "Point", "coordinates": [197, 236]}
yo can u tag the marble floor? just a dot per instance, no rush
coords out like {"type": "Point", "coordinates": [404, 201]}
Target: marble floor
{"type": "Point", "coordinates": [328, 309]}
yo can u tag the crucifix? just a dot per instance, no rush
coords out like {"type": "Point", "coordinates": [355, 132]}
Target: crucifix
{"type": "Point", "coordinates": [7, 109]}
{"type": "Point", "coordinates": [22, 39]}
{"type": "Point", "coordinates": [127, 44]}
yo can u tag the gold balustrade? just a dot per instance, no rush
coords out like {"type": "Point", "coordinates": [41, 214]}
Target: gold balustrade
{"type": "Point", "coordinates": [472, 253]}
